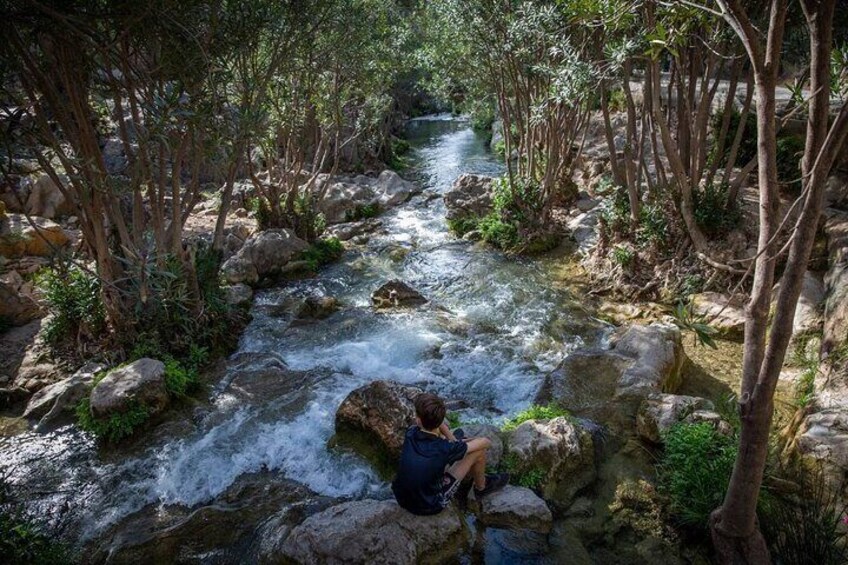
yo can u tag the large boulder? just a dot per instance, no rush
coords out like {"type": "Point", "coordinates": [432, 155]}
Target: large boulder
{"type": "Point", "coordinates": [470, 196]}
{"type": "Point", "coordinates": [392, 190]}
{"type": "Point", "coordinates": [264, 253]}
{"type": "Point", "coordinates": [516, 508]}
{"type": "Point", "coordinates": [22, 238]}
{"type": "Point", "coordinates": [808, 311]}
{"type": "Point", "coordinates": [397, 294]}
{"type": "Point", "coordinates": [52, 401]}
{"type": "Point", "coordinates": [657, 351]}
{"type": "Point", "coordinates": [835, 335]}
{"type": "Point", "coordinates": [584, 231]}
{"type": "Point", "coordinates": [382, 409]}
{"type": "Point", "coordinates": [659, 412]}
{"type": "Point", "coordinates": [725, 313]}
{"type": "Point", "coordinates": [341, 198]}
{"type": "Point", "coordinates": [371, 531]}
{"type": "Point", "coordinates": [559, 451]}
{"type": "Point", "coordinates": [490, 432]}
{"type": "Point", "coordinates": [822, 442]}
{"type": "Point", "coordinates": [17, 308]}
{"type": "Point", "coordinates": [46, 199]}
{"type": "Point", "coordinates": [141, 383]}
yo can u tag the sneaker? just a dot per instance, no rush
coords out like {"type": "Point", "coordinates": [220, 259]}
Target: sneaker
{"type": "Point", "coordinates": [493, 483]}
{"type": "Point", "coordinates": [463, 490]}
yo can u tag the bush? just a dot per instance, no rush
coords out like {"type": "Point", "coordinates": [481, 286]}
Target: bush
{"type": "Point", "coordinates": [748, 146]}
{"type": "Point", "coordinates": [498, 232]}
{"type": "Point", "coordinates": [790, 149]}
{"type": "Point", "coordinates": [623, 256]}
{"type": "Point", "coordinates": [322, 252]}
{"type": "Point", "coordinates": [695, 470]}
{"type": "Point", "coordinates": [535, 412]}
{"type": "Point", "coordinates": [530, 478]}
{"type": "Point", "coordinates": [461, 226]}
{"type": "Point", "coordinates": [711, 210]}
{"type": "Point", "coordinates": [114, 428]}
{"type": "Point", "coordinates": [362, 212]}
{"type": "Point", "coordinates": [73, 296]}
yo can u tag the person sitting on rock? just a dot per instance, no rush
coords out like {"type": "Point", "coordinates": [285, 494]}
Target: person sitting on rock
{"type": "Point", "coordinates": [433, 463]}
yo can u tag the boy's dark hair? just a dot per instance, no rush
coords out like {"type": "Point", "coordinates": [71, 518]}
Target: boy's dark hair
{"type": "Point", "coordinates": [430, 410]}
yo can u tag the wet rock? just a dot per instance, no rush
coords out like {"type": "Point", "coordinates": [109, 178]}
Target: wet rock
{"type": "Point", "coordinates": [350, 230]}
{"type": "Point", "coordinates": [24, 239]}
{"type": "Point", "coordinates": [317, 308]}
{"type": "Point", "coordinates": [493, 434]}
{"type": "Point", "coordinates": [371, 531]}
{"type": "Point", "coordinates": [239, 294]}
{"type": "Point", "coordinates": [46, 199]}
{"type": "Point", "coordinates": [141, 382]}
{"type": "Point", "coordinates": [396, 294]}
{"type": "Point", "coordinates": [264, 253]}
{"type": "Point", "coordinates": [392, 190]}
{"type": "Point", "coordinates": [382, 409]}
{"type": "Point", "coordinates": [51, 402]}
{"type": "Point", "coordinates": [559, 450]}
{"type": "Point", "coordinates": [517, 508]}
{"type": "Point", "coordinates": [725, 313]}
{"type": "Point", "coordinates": [658, 357]}
{"type": "Point", "coordinates": [470, 196]}
{"type": "Point", "coordinates": [659, 412]}
{"type": "Point", "coordinates": [15, 308]}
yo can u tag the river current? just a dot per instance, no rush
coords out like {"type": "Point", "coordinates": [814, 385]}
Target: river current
{"type": "Point", "coordinates": [494, 327]}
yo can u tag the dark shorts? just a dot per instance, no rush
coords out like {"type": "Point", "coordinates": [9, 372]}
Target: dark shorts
{"type": "Point", "coordinates": [449, 487]}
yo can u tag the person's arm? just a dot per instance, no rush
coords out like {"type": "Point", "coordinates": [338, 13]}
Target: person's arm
{"type": "Point", "coordinates": [444, 429]}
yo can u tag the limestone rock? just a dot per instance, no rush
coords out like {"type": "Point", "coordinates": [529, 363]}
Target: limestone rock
{"type": "Point", "coordinates": [659, 412]}
{"type": "Point", "coordinates": [383, 409]}
{"type": "Point", "coordinates": [822, 439]}
{"type": "Point", "coordinates": [658, 356]}
{"type": "Point", "coordinates": [396, 293]}
{"type": "Point", "coordinates": [392, 190]}
{"type": "Point", "coordinates": [835, 333]}
{"type": "Point", "coordinates": [517, 508]}
{"type": "Point", "coordinates": [141, 382]}
{"type": "Point", "coordinates": [470, 196]}
{"type": "Point", "coordinates": [264, 253]}
{"type": "Point", "coordinates": [46, 199]}
{"type": "Point", "coordinates": [17, 308]}
{"type": "Point", "coordinates": [560, 449]}
{"type": "Point", "coordinates": [49, 403]}
{"type": "Point", "coordinates": [493, 434]}
{"type": "Point", "coordinates": [584, 231]}
{"type": "Point", "coordinates": [239, 294]}
{"type": "Point", "coordinates": [807, 316]}
{"type": "Point", "coordinates": [24, 239]}
{"type": "Point", "coordinates": [317, 308]}
{"type": "Point", "coordinates": [371, 531]}
{"type": "Point", "coordinates": [343, 196]}
{"type": "Point", "coordinates": [724, 313]}
{"type": "Point", "coordinates": [712, 418]}
{"type": "Point", "coordinates": [349, 230]}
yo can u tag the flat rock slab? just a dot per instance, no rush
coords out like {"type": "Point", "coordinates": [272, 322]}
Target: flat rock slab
{"type": "Point", "coordinates": [516, 508]}
{"type": "Point", "coordinates": [374, 531]}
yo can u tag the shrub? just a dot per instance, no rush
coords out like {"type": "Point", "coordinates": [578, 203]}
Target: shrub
{"type": "Point", "coordinates": [73, 296]}
{"type": "Point", "coordinates": [535, 412]}
{"type": "Point", "coordinates": [463, 225]}
{"type": "Point", "coordinates": [615, 210]}
{"type": "Point", "coordinates": [748, 146]}
{"type": "Point", "coordinates": [498, 232]}
{"type": "Point", "coordinates": [114, 428]}
{"type": "Point", "coordinates": [531, 477]}
{"type": "Point", "coordinates": [362, 212]}
{"type": "Point", "coordinates": [322, 252]}
{"type": "Point", "coordinates": [653, 225]}
{"type": "Point", "coordinates": [711, 210]}
{"type": "Point", "coordinates": [624, 256]}
{"type": "Point", "coordinates": [695, 470]}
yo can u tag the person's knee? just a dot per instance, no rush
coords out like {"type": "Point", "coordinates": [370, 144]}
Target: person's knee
{"type": "Point", "coordinates": [487, 443]}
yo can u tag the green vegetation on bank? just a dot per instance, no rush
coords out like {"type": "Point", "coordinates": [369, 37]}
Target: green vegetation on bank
{"type": "Point", "coordinates": [322, 252]}
{"type": "Point", "coordinates": [535, 412]}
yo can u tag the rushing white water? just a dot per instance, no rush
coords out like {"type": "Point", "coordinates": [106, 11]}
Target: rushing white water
{"type": "Point", "coordinates": [493, 328]}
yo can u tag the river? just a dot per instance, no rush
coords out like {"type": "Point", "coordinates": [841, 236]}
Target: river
{"type": "Point", "coordinates": [495, 325]}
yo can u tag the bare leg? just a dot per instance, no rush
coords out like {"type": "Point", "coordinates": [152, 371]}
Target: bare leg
{"type": "Point", "coordinates": [473, 464]}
